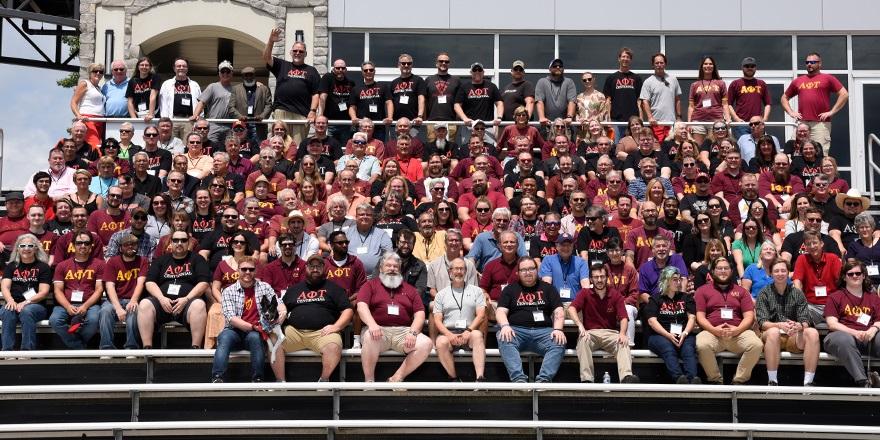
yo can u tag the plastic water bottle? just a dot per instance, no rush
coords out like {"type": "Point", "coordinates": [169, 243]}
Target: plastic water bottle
{"type": "Point", "coordinates": [606, 378]}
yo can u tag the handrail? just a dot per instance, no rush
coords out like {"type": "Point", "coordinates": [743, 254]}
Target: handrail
{"type": "Point", "coordinates": [872, 141]}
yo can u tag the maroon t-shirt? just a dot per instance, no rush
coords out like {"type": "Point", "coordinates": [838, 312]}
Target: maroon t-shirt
{"type": "Point", "coordinates": [727, 184]}
{"type": "Point", "coordinates": [259, 228]}
{"type": "Point", "coordinates": [79, 276]}
{"type": "Point", "coordinates": [350, 276]}
{"type": "Point", "coordinates": [124, 274]}
{"type": "Point", "coordinates": [748, 97]}
{"type": "Point", "coordinates": [847, 308]}
{"type": "Point", "coordinates": [378, 298]}
{"type": "Point", "coordinates": [225, 274]}
{"type": "Point", "coordinates": [640, 240]}
{"type": "Point", "coordinates": [105, 225]}
{"type": "Point", "coordinates": [280, 275]}
{"type": "Point", "coordinates": [710, 300]}
{"type": "Point", "coordinates": [249, 312]}
{"type": "Point", "coordinates": [65, 249]}
{"type": "Point", "coordinates": [497, 275]}
{"type": "Point", "coordinates": [47, 240]}
{"type": "Point", "coordinates": [814, 94]}
{"type": "Point", "coordinates": [600, 313]}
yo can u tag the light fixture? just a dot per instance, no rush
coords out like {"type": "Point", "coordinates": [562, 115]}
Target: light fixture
{"type": "Point", "coordinates": [299, 36]}
{"type": "Point", "coordinates": [108, 52]}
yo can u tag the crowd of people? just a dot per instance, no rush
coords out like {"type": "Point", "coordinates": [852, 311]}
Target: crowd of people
{"type": "Point", "coordinates": [424, 235]}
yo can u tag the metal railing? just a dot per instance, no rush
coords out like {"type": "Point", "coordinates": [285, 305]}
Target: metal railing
{"type": "Point", "coordinates": [873, 141]}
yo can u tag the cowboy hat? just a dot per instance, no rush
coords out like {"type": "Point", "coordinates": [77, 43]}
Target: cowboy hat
{"type": "Point", "coordinates": [852, 194]}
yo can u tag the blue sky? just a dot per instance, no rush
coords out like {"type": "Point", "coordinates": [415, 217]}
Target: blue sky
{"type": "Point", "coordinates": [36, 111]}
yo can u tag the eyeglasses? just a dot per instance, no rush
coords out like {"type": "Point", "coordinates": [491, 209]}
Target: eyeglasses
{"type": "Point", "coordinates": [755, 124]}
{"type": "Point", "coordinates": [751, 228]}
{"type": "Point", "coordinates": [195, 142]}
{"type": "Point", "coordinates": [714, 206]}
{"type": "Point", "coordinates": [82, 243]}
{"type": "Point", "coordinates": [141, 218]}
{"type": "Point", "coordinates": [179, 240]}
{"type": "Point", "coordinates": [702, 221]}
{"type": "Point", "coordinates": [405, 63]}
{"type": "Point", "coordinates": [750, 66]}
{"type": "Point", "coordinates": [811, 62]}
{"type": "Point", "coordinates": [230, 216]}
{"type": "Point", "coordinates": [238, 129]}
{"type": "Point", "coordinates": [578, 200]}
{"type": "Point", "coordinates": [525, 160]}
{"type": "Point", "coordinates": [342, 242]}
{"type": "Point", "coordinates": [26, 246]}
{"type": "Point", "coordinates": [548, 224]}
{"type": "Point", "coordinates": [813, 220]}
{"type": "Point", "coordinates": [98, 71]}
{"type": "Point", "coordinates": [720, 128]}
{"type": "Point", "coordinates": [241, 242]}
{"type": "Point", "coordinates": [175, 180]}
{"type": "Point", "coordinates": [437, 189]}
{"type": "Point", "coordinates": [151, 135]}
{"type": "Point", "coordinates": [592, 219]}
{"type": "Point", "coordinates": [443, 209]}
{"type": "Point", "coordinates": [854, 274]}
{"type": "Point", "coordinates": [529, 269]}
{"type": "Point", "coordinates": [852, 204]}
{"type": "Point", "coordinates": [247, 269]}
{"type": "Point", "coordinates": [114, 196]}
{"type": "Point", "coordinates": [483, 210]}
{"type": "Point", "coordinates": [297, 51]}
{"type": "Point", "coordinates": [820, 185]}
{"type": "Point", "coordinates": [587, 79]}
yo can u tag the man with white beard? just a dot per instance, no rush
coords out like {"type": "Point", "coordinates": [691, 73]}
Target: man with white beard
{"type": "Point", "coordinates": [393, 314]}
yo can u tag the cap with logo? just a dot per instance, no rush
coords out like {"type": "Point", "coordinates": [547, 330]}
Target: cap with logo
{"type": "Point", "coordinates": [224, 65]}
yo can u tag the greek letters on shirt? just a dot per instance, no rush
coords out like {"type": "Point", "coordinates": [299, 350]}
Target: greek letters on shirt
{"type": "Point", "coordinates": [479, 93]}
{"type": "Point", "coordinates": [142, 87]}
{"type": "Point", "coordinates": [127, 275]}
{"type": "Point", "coordinates": [311, 296]}
{"type": "Point", "coordinates": [756, 89]}
{"type": "Point", "coordinates": [854, 311]}
{"type": "Point", "coordinates": [338, 272]}
{"type": "Point", "coordinates": [79, 275]}
{"type": "Point", "coordinates": [403, 87]}
{"type": "Point", "coordinates": [441, 86]}
{"type": "Point", "coordinates": [176, 271]}
{"type": "Point", "coordinates": [181, 88]}
{"type": "Point", "coordinates": [111, 226]}
{"type": "Point", "coordinates": [530, 299]}
{"type": "Point", "coordinates": [625, 83]}
{"type": "Point", "coordinates": [370, 92]}
{"type": "Point", "coordinates": [203, 225]}
{"type": "Point", "coordinates": [776, 188]}
{"type": "Point", "coordinates": [809, 85]}
{"type": "Point", "coordinates": [26, 275]}
{"type": "Point", "coordinates": [296, 73]}
{"type": "Point", "coordinates": [671, 308]}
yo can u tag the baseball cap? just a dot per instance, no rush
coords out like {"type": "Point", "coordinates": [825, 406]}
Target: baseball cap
{"type": "Point", "coordinates": [476, 66]}
{"type": "Point", "coordinates": [564, 237]}
{"type": "Point", "coordinates": [247, 70]}
{"type": "Point", "coordinates": [518, 63]}
{"type": "Point", "coordinates": [237, 124]}
{"type": "Point", "coordinates": [15, 196]}
{"type": "Point", "coordinates": [477, 122]}
{"type": "Point", "coordinates": [317, 257]}
{"type": "Point", "coordinates": [225, 65]}
{"type": "Point", "coordinates": [296, 213]}
{"type": "Point", "coordinates": [556, 60]}
{"type": "Point", "coordinates": [749, 60]}
{"type": "Point", "coordinates": [702, 175]}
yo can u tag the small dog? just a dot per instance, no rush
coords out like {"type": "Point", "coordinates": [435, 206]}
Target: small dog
{"type": "Point", "coordinates": [268, 316]}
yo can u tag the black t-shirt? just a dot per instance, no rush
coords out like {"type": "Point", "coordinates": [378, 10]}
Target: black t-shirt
{"type": "Point", "coordinates": [183, 100]}
{"type": "Point", "coordinates": [623, 89]}
{"type": "Point", "coordinates": [847, 229]}
{"type": "Point", "coordinates": [515, 181]}
{"type": "Point", "coordinates": [392, 225]}
{"type": "Point", "coordinates": [595, 244]}
{"type": "Point", "coordinates": [680, 229]}
{"type": "Point", "coordinates": [695, 203]}
{"type": "Point", "coordinates": [186, 272]}
{"type": "Point", "coordinates": [26, 276]}
{"type": "Point", "coordinates": [58, 227]}
{"type": "Point", "coordinates": [670, 311]}
{"type": "Point", "coordinates": [515, 204]}
{"type": "Point", "coordinates": [338, 93]}
{"type": "Point", "coordinates": [203, 225]}
{"type": "Point", "coordinates": [217, 242]}
{"type": "Point", "coordinates": [295, 85]}
{"type": "Point", "coordinates": [478, 100]}
{"type": "Point", "coordinates": [369, 100]}
{"type": "Point", "coordinates": [794, 245]}
{"type": "Point", "coordinates": [541, 248]}
{"type": "Point", "coordinates": [324, 165]}
{"type": "Point", "coordinates": [521, 302]}
{"type": "Point", "coordinates": [530, 227]}
{"type": "Point", "coordinates": [331, 149]}
{"type": "Point", "coordinates": [404, 94]}
{"type": "Point", "coordinates": [806, 170]}
{"type": "Point", "coordinates": [159, 160]}
{"type": "Point", "coordinates": [514, 95]}
{"type": "Point", "coordinates": [312, 307]}
{"type": "Point", "coordinates": [449, 149]}
{"type": "Point", "coordinates": [632, 161]}
{"type": "Point", "coordinates": [138, 90]}
{"type": "Point", "coordinates": [437, 86]}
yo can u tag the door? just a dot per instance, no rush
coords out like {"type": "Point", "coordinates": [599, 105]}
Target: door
{"type": "Point", "coordinates": [865, 105]}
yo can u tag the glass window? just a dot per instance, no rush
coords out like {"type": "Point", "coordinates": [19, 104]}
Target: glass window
{"type": "Point", "coordinates": [866, 51]}
{"type": "Point", "coordinates": [832, 49]}
{"type": "Point", "coordinates": [349, 47]}
{"type": "Point", "coordinates": [463, 49]}
{"type": "Point", "coordinates": [871, 115]}
{"type": "Point", "coordinates": [771, 52]}
{"type": "Point", "coordinates": [840, 129]}
{"type": "Point", "coordinates": [535, 50]}
{"type": "Point", "coordinates": [600, 52]}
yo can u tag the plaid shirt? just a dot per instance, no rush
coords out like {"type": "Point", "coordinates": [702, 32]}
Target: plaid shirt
{"type": "Point", "coordinates": [772, 307]}
{"type": "Point", "coordinates": [232, 298]}
{"type": "Point", "coordinates": [146, 244]}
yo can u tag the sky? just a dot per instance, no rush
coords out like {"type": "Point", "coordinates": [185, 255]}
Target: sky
{"type": "Point", "coordinates": [37, 111]}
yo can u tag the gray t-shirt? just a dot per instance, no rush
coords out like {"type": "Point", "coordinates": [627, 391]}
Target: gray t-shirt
{"type": "Point", "coordinates": [216, 99]}
{"type": "Point", "coordinates": [556, 96]}
{"type": "Point", "coordinates": [661, 97]}
{"type": "Point", "coordinates": [459, 308]}
{"type": "Point", "coordinates": [325, 229]}
{"type": "Point", "coordinates": [368, 247]}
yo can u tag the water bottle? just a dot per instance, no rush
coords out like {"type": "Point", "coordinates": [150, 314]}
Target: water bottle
{"type": "Point", "coordinates": [606, 378]}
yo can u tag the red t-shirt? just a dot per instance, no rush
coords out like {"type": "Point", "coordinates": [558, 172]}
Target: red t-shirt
{"type": "Point", "coordinates": [600, 313]}
{"type": "Point", "coordinates": [468, 200]}
{"type": "Point", "coordinates": [281, 276]}
{"type": "Point", "coordinates": [814, 94]}
{"type": "Point", "coordinates": [811, 275]}
{"type": "Point", "coordinates": [379, 298]}
{"type": "Point", "coordinates": [249, 312]}
{"type": "Point", "coordinates": [847, 308]}
{"type": "Point", "coordinates": [710, 92]}
{"type": "Point", "coordinates": [65, 249]}
{"type": "Point", "coordinates": [727, 184]}
{"type": "Point", "coordinates": [124, 274]}
{"type": "Point", "coordinates": [711, 301]}
{"type": "Point", "coordinates": [624, 278]}
{"type": "Point", "coordinates": [105, 225]}
{"type": "Point", "coordinates": [624, 227]}
{"type": "Point", "coordinates": [79, 277]}
{"type": "Point", "coordinates": [259, 228]}
{"type": "Point", "coordinates": [640, 240]}
{"type": "Point", "coordinates": [471, 228]}
{"type": "Point", "coordinates": [225, 274]}
{"type": "Point", "coordinates": [497, 275]}
{"type": "Point", "coordinates": [350, 276]}
{"type": "Point", "coordinates": [748, 97]}
{"type": "Point", "coordinates": [47, 239]}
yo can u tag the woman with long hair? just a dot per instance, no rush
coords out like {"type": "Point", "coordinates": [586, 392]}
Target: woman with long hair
{"type": "Point", "coordinates": [25, 285]}
{"type": "Point", "coordinates": [695, 244]}
{"type": "Point", "coordinates": [225, 275]}
{"type": "Point", "coordinates": [444, 216]}
{"type": "Point", "coordinates": [746, 249]}
{"type": "Point", "coordinates": [159, 216]}
{"type": "Point", "coordinates": [707, 100]}
{"type": "Point", "coordinates": [764, 154]}
{"type": "Point", "coordinates": [714, 249]}
{"type": "Point", "coordinates": [143, 91]}
{"type": "Point", "coordinates": [219, 192]}
{"type": "Point", "coordinates": [308, 169]}
{"type": "Point", "coordinates": [311, 205]}
{"type": "Point", "coordinates": [715, 209]}
{"type": "Point", "coordinates": [759, 274]}
{"type": "Point", "coordinates": [628, 143]}
{"type": "Point", "coordinates": [204, 218]}
{"type": "Point", "coordinates": [670, 333]}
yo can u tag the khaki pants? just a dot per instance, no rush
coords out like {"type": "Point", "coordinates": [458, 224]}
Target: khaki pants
{"type": "Point", "coordinates": [297, 131]}
{"type": "Point", "coordinates": [181, 129]}
{"type": "Point", "coordinates": [216, 324]}
{"type": "Point", "coordinates": [746, 343]}
{"type": "Point", "coordinates": [821, 132]}
{"type": "Point", "coordinates": [450, 132]}
{"type": "Point", "coordinates": [602, 339]}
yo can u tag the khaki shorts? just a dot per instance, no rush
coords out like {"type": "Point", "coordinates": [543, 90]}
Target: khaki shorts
{"type": "Point", "coordinates": [786, 343]}
{"type": "Point", "coordinates": [393, 338]}
{"type": "Point", "coordinates": [296, 340]}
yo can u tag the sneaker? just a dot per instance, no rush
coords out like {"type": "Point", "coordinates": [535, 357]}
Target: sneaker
{"type": "Point", "coordinates": [322, 380]}
{"type": "Point", "coordinates": [356, 345]}
{"type": "Point", "coordinates": [863, 383]}
{"type": "Point", "coordinates": [632, 378]}
{"type": "Point", "coordinates": [682, 380]}
{"type": "Point", "coordinates": [217, 379]}
{"type": "Point", "coordinates": [772, 383]}
{"type": "Point", "coordinates": [809, 384]}
{"type": "Point", "coordinates": [874, 379]}
{"type": "Point", "coordinates": [586, 381]}
{"type": "Point", "coordinates": [478, 380]}
{"type": "Point", "coordinates": [715, 382]}
{"type": "Point", "coordinates": [105, 358]}
{"type": "Point", "coordinates": [454, 379]}
{"type": "Point", "coordinates": [196, 347]}
{"type": "Point", "coordinates": [696, 381]}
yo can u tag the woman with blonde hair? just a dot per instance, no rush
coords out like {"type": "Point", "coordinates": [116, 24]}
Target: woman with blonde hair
{"type": "Point", "coordinates": [26, 292]}
{"type": "Point", "coordinates": [88, 102]}
{"type": "Point", "coordinates": [671, 332]}
{"type": "Point", "coordinates": [759, 274]}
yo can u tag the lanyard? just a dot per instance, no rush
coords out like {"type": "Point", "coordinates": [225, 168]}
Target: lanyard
{"type": "Point", "coordinates": [457, 303]}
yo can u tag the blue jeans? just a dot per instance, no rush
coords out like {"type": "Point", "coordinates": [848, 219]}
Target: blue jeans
{"type": "Point", "coordinates": [537, 340]}
{"type": "Point", "coordinates": [60, 320]}
{"type": "Point", "coordinates": [30, 315]}
{"type": "Point", "coordinates": [234, 339]}
{"type": "Point", "coordinates": [673, 356]}
{"type": "Point", "coordinates": [739, 130]}
{"type": "Point", "coordinates": [108, 318]}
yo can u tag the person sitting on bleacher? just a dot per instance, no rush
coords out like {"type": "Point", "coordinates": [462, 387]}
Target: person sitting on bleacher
{"type": "Point", "coordinates": [25, 286]}
{"type": "Point", "coordinates": [78, 288]}
{"type": "Point", "coordinates": [567, 272]}
{"type": "Point", "coordinates": [394, 315]}
{"type": "Point", "coordinates": [603, 327]}
{"type": "Point", "coordinates": [816, 274]}
{"type": "Point", "coordinates": [319, 310]}
{"type": "Point", "coordinates": [531, 318]}
{"type": "Point", "coordinates": [176, 283]}
{"type": "Point", "coordinates": [853, 317]}
{"type": "Point", "coordinates": [459, 312]}
{"type": "Point", "coordinates": [784, 320]}
{"type": "Point", "coordinates": [124, 278]}
{"type": "Point", "coordinates": [242, 303]}
{"type": "Point", "coordinates": [725, 312]}
{"type": "Point", "coordinates": [671, 320]}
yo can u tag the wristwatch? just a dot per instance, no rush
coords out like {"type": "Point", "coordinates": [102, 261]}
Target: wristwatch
{"type": "Point", "coordinates": [413, 332]}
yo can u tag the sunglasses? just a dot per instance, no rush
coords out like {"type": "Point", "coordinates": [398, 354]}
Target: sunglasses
{"type": "Point", "coordinates": [755, 124]}
{"type": "Point", "coordinates": [368, 70]}
{"type": "Point", "coordinates": [854, 274]}
{"type": "Point", "coordinates": [26, 246]}
{"type": "Point", "coordinates": [808, 62]}
{"type": "Point", "coordinates": [405, 63]}
{"type": "Point", "coordinates": [437, 189]}
{"type": "Point", "coordinates": [702, 221]}
{"type": "Point", "coordinates": [151, 135]}
{"type": "Point", "coordinates": [179, 240]}
{"type": "Point", "coordinates": [288, 244]}
{"type": "Point", "coordinates": [689, 165]}
{"type": "Point", "coordinates": [750, 66]}
{"type": "Point", "coordinates": [247, 269]}
{"type": "Point", "coordinates": [587, 79]}
{"type": "Point", "coordinates": [238, 129]}
{"type": "Point", "coordinates": [230, 216]}
{"type": "Point", "coordinates": [552, 223]}
{"type": "Point", "coordinates": [442, 61]}
{"type": "Point", "coordinates": [98, 71]}
{"type": "Point", "coordinates": [813, 220]}
{"type": "Point", "coordinates": [852, 204]}
{"type": "Point", "coordinates": [443, 209]}
{"type": "Point", "coordinates": [241, 242]}
{"type": "Point", "coordinates": [175, 180]}
{"type": "Point", "coordinates": [119, 69]}
{"type": "Point", "coordinates": [714, 206]}
{"type": "Point", "coordinates": [482, 209]}
{"type": "Point", "coordinates": [140, 218]}
{"type": "Point", "coordinates": [217, 185]}
{"type": "Point", "coordinates": [359, 142]}
{"type": "Point", "coordinates": [82, 243]}
{"type": "Point", "coordinates": [121, 130]}
{"type": "Point", "coordinates": [343, 242]}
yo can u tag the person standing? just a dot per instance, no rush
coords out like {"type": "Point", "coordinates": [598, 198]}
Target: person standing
{"type": "Point", "coordinates": [622, 90]}
{"type": "Point", "coordinates": [661, 98]}
{"type": "Point", "coordinates": [555, 95]}
{"type": "Point", "coordinates": [707, 100]}
{"type": "Point", "coordinates": [177, 96]}
{"type": "Point", "coordinates": [296, 91]}
{"type": "Point", "coordinates": [115, 102]}
{"type": "Point", "coordinates": [252, 100]}
{"type": "Point", "coordinates": [214, 101]}
{"type": "Point", "coordinates": [334, 92]}
{"type": "Point", "coordinates": [520, 92]}
{"type": "Point", "coordinates": [478, 101]}
{"type": "Point", "coordinates": [814, 100]}
{"type": "Point", "coordinates": [441, 89]}
{"type": "Point", "coordinates": [748, 97]}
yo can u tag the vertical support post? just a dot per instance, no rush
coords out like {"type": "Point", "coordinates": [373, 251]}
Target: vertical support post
{"type": "Point", "coordinates": [149, 366]}
{"type": "Point", "coordinates": [734, 407]}
{"type": "Point", "coordinates": [135, 405]}
{"type": "Point", "coordinates": [117, 434]}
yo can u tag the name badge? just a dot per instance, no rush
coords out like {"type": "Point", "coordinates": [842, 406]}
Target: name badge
{"type": "Point", "coordinates": [342, 106]}
{"type": "Point", "coordinates": [389, 231]}
{"type": "Point", "coordinates": [142, 107]}
{"type": "Point", "coordinates": [374, 108]}
{"type": "Point", "coordinates": [864, 319]}
{"type": "Point", "coordinates": [565, 293]}
{"type": "Point", "coordinates": [675, 329]}
{"type": "Point", "coordinates": [76, 296]}
{"type": "Point", "coordinates": [30, 293]}
{"type": "Point", "coordinates": [538, 316]}
{"type": "Point", "coordinates": [460, 324]}
{"type": "Point", "coordinates": [185, 101]}
{"type": "Point", "coordinates": [250, 110]}
{"type": "Point", "coordinates": [873, 270]}
{"type": "Point", "coordinates": [404, 99]}
{"type": "Point", "coordinates": [393, 309]}
{"type": "Point", "coordinates": [441, 99]}
{"type": "Point", "coordinates": [528, 246]}
{"type": "Point", "coordinates": [821, 291]}
{"type": "Point", "coordinates": [362, 250]}
{"type": "Point", "coordinates": [707, 103]}
{"type": "Point", "coordinates": [726, 313]}
{"type": "Point", "coordinates": [174, 290]}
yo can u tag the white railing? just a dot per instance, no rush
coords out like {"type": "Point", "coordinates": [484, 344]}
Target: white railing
{"type": "Point", "coordinates": [873, 141]}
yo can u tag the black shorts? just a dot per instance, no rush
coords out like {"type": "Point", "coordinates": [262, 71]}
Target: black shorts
{"type": "Point", "coordinates": [163, 317]}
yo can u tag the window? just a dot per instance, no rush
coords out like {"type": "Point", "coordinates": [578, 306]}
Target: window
{"type": "Point", "coordinates": [771, 52]}
{"type": "Point", "coordinates": [832, 49]}
{"type": "Point", "coordinates": [349, 47]}
{"type": "Point", "coordinates": [600, 52]}
{"type": "Point", "coordinates": [866, 51]}
{"type": "Point", "coordinates": [463, 49]}
{"type": "Point", "coordinates": [536, 51]}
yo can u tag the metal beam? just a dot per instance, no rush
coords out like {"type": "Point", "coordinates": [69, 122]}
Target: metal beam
{"type": "Point", "coordinates": [35, 16]}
